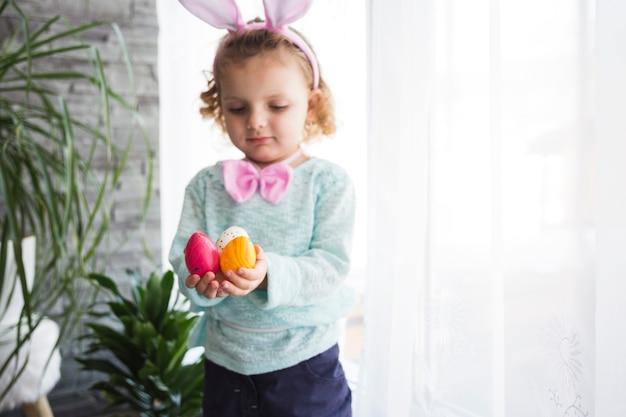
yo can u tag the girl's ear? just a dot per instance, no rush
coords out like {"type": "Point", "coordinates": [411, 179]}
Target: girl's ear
{"type": "Point", "coordinates": [315, 98]}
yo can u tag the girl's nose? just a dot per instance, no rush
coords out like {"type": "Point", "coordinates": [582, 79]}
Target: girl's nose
{"type": "Point", "coordinates": [256, 119]}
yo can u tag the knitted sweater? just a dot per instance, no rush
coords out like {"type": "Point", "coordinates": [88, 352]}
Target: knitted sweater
{"type": "Point", "coordinates": [306, 238]}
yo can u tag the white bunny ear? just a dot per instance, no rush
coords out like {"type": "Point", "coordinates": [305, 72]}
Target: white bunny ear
{"type": "Point", "coordinates": [221, 14]}
{"type": "Point", "coordinates": [279, 13]}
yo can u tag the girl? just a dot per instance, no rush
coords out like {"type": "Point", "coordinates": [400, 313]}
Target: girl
{"type": "Point", "coordinates": [270, 332]}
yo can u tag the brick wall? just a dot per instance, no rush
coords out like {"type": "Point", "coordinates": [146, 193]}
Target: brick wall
{"type": "Point", "coordinates": [137, 21]}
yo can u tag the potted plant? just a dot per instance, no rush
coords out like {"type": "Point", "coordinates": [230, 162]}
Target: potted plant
{"type": "Point", "coordinates": [50, 186]}
{"type": "Point", "coordinates": [142, 347]}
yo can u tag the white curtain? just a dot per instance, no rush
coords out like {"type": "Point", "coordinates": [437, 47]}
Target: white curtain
{"type": "Point", "coordinates": [495, 217]}
{"type": "Point", "coordinates": [497, 209]}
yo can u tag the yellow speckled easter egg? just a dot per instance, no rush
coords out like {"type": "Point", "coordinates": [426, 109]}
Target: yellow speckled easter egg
{"type": "Point", "coordinates": [238, 253]}
{"type": "Point", "coordinates": [229, 234]}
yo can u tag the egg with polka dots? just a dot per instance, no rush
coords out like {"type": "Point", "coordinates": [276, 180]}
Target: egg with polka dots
{"type": "Point", "coordinates": [236, 250]}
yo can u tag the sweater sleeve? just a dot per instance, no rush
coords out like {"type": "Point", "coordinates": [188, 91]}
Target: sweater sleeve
{"type": "Point", "coordinates": [319, 272]}
{"type": "Point", "coordinates": [191, 220]}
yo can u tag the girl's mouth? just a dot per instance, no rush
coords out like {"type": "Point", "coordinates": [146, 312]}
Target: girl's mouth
{"type": "Point", "coordinates": [259, 140]}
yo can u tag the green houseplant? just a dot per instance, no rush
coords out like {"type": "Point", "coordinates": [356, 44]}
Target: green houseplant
{"type": "Point", "coordinates": [142, 347]}
{"type": "Point", "coordinates": [58, 172]}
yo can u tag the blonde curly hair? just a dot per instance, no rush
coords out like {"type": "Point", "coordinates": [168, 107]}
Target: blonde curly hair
{"type": "Point", "coordinates": [241, 46]}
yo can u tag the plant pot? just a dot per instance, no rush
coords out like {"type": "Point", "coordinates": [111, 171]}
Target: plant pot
{"type": "Point", "coordinates": [11, 299]}
{"type": "Point", "coordinates": [33, 367]}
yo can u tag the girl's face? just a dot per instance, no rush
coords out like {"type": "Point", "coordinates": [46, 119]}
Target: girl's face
{"type": "Point", "coordinates": [266, 102]}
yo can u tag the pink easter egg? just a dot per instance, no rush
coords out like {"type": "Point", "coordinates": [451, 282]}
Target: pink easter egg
{"type": "Point", "coordinates": [201, 254]}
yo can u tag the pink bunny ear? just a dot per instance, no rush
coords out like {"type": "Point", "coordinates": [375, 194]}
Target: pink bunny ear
{"type": "Point", "coordinates": [279, 13]}
{"type": "Point", "coordinates": [221, 14]}
{"type": "Point", "coordinates": [224, 14]}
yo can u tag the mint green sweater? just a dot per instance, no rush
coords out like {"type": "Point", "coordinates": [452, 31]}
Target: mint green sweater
{"type": "Point", "coordinates": [307, 239]}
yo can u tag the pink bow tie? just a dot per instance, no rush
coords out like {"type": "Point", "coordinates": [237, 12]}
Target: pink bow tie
{"type": "Point", "coordinates": [243, 178]}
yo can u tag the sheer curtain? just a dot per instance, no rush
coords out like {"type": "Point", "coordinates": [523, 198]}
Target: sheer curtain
{"type": "Point", "coordinates": [497, 209]}
{"type": "Point", "coordinates": [494, 228]}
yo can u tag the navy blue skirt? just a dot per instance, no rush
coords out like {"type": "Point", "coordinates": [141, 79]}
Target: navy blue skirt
{"type": "Point", "coordinates": [316, 387]}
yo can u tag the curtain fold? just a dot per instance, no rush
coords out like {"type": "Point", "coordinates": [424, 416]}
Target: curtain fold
{"type": "Point", "coordinates": [397, 202]}
{"type": "Point", "coordinates": [610, 129]}
{"type": "Point", "coordinates": [486, 293]}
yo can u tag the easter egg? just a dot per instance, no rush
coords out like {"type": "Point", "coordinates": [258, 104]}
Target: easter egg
{"type": "Point", "coordinates": [236, 249]}
{"type": "Point", "coordinates": [228, 235]}
{"type": "Point", "coordinates": [201, 255]}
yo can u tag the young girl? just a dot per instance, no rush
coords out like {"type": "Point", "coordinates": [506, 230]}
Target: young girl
{"type": "Point", "coordinates": [270, 333]}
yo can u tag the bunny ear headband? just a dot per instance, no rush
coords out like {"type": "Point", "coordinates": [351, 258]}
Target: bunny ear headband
{"type": "Point", "coordinates": [224, 14]}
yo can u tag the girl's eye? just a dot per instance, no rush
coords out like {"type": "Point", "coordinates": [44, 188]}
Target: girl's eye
{"type": "Point", "coordinates": [277, 107]}
{"type": "Point", "coordinates": [237, 110]}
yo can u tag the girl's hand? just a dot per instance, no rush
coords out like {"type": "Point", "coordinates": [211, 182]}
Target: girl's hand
{"type": "Point", "coordinates": [244, 281]}
{"type": "Point", "coordinates": [208, 285]}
